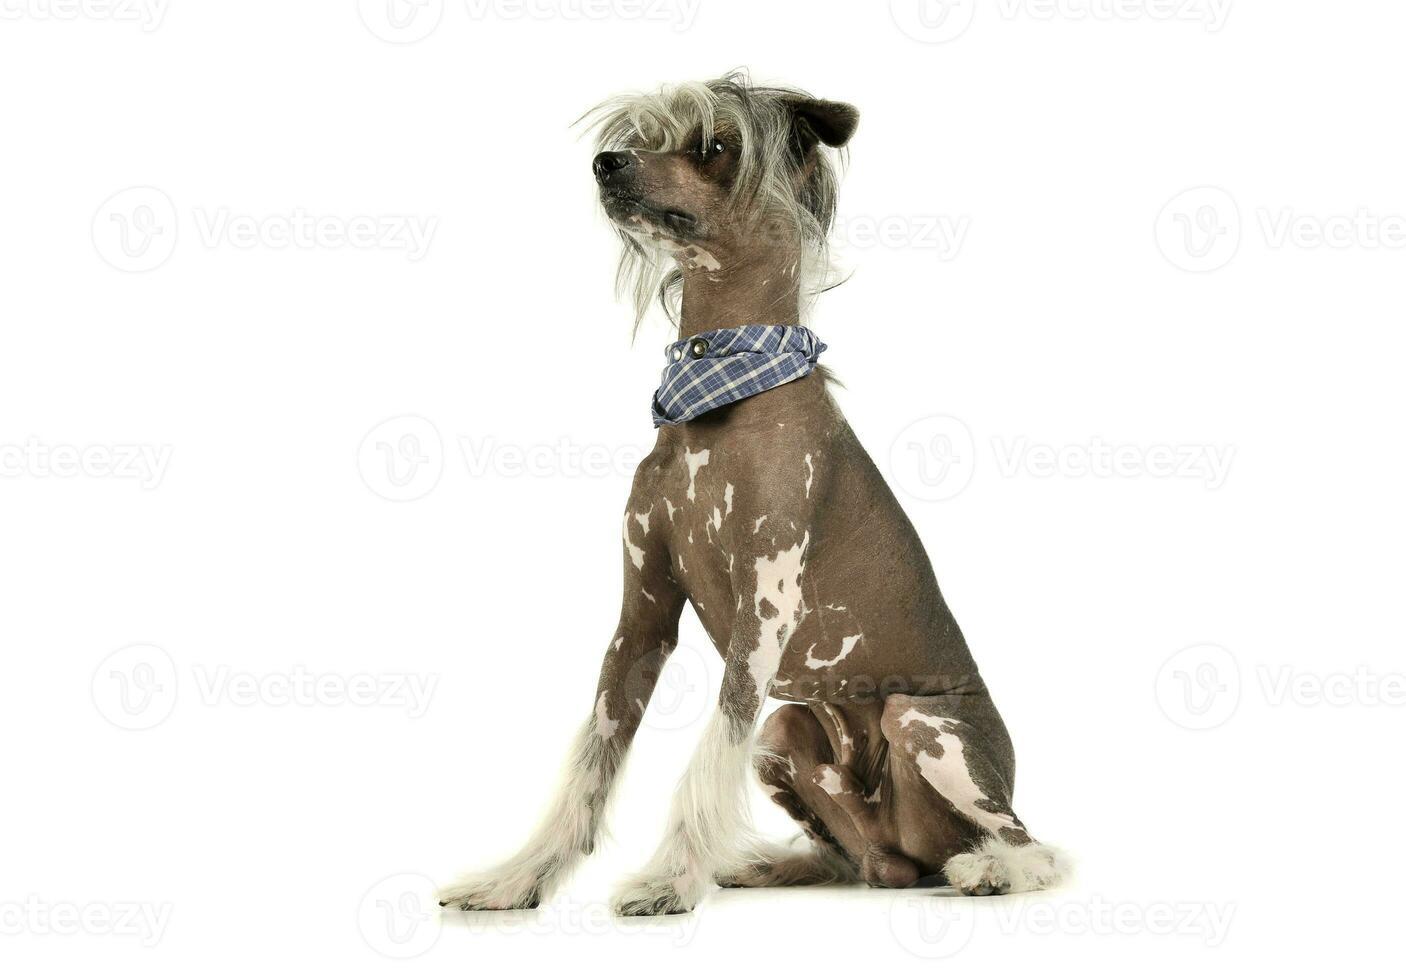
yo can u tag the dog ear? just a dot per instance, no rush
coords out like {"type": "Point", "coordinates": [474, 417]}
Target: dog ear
{"type": "Point", "coordinates": [819, 120]}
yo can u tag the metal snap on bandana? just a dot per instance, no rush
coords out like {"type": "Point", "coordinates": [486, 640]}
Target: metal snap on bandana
{"type": "Point", "coordinates": [740, 362]}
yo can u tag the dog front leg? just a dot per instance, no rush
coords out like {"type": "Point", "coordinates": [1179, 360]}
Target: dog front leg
{"type": "Point", "coordinates": [710, 829]}
{"type": "Point", "coordinates": [647, 634]}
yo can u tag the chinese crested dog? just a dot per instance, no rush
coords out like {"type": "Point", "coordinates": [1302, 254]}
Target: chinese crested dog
{"type": "Point", "coordinates": [759, 508]}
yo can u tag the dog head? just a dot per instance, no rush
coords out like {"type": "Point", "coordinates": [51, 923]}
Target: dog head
{"type": "Point", "coordinates": [719, 175]}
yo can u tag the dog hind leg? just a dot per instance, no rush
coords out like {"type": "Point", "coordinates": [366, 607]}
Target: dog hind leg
{"type": "Point", "coordinates": [791, 739]}
{"type": "Point", "coordinates": [969, 764]}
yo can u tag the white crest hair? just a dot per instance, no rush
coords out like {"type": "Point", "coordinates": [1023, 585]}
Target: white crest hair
{"type": "Point", "coordinates": [768, 181]}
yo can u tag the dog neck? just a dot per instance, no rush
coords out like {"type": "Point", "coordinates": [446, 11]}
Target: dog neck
{"type": "Point", "coordinates": [765, 291]}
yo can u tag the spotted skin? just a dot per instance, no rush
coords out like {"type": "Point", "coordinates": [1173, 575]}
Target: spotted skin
{"type": "Point", "coordinates": [768, 517]}
{"type": "Point", "coordinates": [904, 762]}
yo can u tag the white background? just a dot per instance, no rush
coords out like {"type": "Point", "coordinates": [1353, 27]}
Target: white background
{"type": "Point", "coordinates": [1170, 240]}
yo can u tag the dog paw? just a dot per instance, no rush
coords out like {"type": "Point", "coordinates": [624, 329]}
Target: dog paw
{"type": "Point", "coordinates": [995, 868]}
{"type": "Point", "coordinates": [648, 895]}
{"type": "Point", "coordinates": [978, 874]}
{"type": "Point", "coordinates": [493, 892]}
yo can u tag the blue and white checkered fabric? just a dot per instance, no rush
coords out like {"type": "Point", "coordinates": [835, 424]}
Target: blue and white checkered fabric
{"type": "Point", "coordinates": [719, 367]}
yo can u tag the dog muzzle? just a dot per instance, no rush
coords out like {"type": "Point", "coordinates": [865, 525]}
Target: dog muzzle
{"type": "Point", "coordinates": [719, 367]}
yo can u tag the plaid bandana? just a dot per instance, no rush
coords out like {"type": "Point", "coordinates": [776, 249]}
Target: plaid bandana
{"type": "Point", "coordinates": [719, 367]}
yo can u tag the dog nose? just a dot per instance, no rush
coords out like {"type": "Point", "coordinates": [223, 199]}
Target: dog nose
{"type": "Point", "coordinates": [606, 164]}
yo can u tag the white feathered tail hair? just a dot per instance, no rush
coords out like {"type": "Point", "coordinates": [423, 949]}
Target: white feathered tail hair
{"type": "Point", "coordinates": [768, 184]}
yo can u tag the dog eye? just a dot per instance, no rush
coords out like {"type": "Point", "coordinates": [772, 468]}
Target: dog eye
{"type": "Point", "coordinates": [715, 148]}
